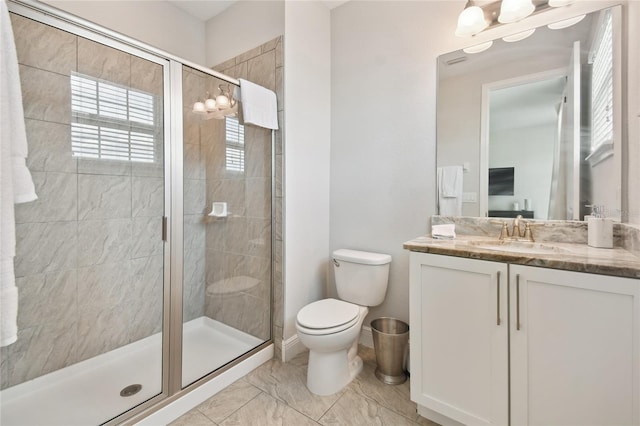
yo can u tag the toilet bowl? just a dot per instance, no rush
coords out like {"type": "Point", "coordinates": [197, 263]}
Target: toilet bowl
{"type": "Point", "coordinates": [330, 328]}
{"type": "Point", "coordinates": [333, 343]}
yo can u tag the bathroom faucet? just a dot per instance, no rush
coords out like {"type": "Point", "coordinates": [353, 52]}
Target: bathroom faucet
{"type": "Point", "coordinates": [516, 233]}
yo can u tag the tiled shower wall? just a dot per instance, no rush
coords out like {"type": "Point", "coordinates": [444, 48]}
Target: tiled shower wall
{"type": "Point", "coordinates": [89, 259]}
{"type": "Point", "coordinates": [239, 267]}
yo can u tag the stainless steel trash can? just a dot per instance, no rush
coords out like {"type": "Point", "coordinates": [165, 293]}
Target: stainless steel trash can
{"type": "Point", "coordinates": [390, 337]}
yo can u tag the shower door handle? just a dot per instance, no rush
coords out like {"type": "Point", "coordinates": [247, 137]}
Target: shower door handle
{"type": "Point", "coordinates": [164, 228]}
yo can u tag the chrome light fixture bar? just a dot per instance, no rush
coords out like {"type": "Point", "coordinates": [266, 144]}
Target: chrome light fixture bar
{"type": "Point", "coordinates": [476, 18]}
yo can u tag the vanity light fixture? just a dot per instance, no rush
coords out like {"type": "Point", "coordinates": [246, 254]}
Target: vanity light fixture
{"type": "Point", "coordinates": [519, 36]}
{"type": "Point", "coordinates": [223, 105]}
{"type": "Point", "coordinates": [475, 18]}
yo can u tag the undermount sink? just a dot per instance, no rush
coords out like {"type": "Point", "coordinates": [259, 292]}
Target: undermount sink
{"type": "Point", "coordinates": [517, 246]}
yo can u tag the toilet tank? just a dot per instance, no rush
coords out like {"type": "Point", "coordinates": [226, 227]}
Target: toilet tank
{"type": "Point", "coordinates": [361, 277]}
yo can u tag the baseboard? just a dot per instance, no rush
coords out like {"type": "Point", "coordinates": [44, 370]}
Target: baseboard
{"type": "Point", "coordinates": [292, 347]}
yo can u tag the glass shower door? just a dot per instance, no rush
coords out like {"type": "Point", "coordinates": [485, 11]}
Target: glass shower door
{"type": "Point", "coordinates": [227, 229]}
{"type": "Point", "coordinates": [90, 252]}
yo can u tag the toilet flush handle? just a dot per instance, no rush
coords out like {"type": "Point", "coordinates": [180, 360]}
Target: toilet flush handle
{"type": "Point", "coordinates": [335, 262]}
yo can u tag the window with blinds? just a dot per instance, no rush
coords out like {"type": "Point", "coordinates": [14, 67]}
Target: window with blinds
{"type": "Point", "coordinates": [601, 60]}
{"type": "Point", "coordinates": [235, 144]}
{"type": "Point", "coordinates": [111, 122]}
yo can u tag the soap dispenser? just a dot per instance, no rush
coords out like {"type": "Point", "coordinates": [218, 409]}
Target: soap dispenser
{"type": "Point", "coordinates": [600, 228]}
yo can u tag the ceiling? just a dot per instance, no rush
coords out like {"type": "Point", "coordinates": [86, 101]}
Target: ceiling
{"type": "Point", "coordinates": [207, 9]}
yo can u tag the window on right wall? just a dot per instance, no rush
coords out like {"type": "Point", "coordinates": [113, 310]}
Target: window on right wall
{"type": "Point", "coordinates": [601, 60]}
{"type": "Point", "coordinates": [234, 132]}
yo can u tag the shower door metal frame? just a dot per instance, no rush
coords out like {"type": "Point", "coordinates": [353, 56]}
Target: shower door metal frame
{"type": "Point", "coordinates": [173, 220]}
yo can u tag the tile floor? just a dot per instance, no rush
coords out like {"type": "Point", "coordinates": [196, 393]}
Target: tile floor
{"type": "Point", "coordinates": [276, 394]}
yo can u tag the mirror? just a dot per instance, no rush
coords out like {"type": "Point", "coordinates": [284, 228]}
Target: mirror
{"type": "Point", "coordinates": [532, 127]}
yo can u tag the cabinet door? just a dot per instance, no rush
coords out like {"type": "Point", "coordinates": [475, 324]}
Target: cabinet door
{"type": "Point", "coordinates": [459, 335]}
{"type": "Point", "coordinates": [574, 350]}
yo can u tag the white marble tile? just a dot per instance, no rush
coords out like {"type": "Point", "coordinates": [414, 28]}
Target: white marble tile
{"type": "Point", "coordinates": [265, 410]}
{"type": "Point", "coordinates": [49, 147]}
{"type": "Point", "coordinates": [353, 409]}
{"type": "Point", "coordinates": [104, 167]}
{"type": "Point", "coordinates": [147, 77]}
{"type": "Point", "coordinates": [57, 199]}
{"type": "Point", "coordinates": [288, 383]}
{"type": "Point", "coordinates": [45, 247]}
{"type": "Point", "coordinates": [257, 152]}
{"type": "Point", "coordinates": [147, 196]}
{"type": "Point", "coordinates": [192, 418]}
{"type": "Point", "coordinates": [102, 330]}
{"type": "Point", "coordinates": [104, 197]}
{"type": "Point", "coordinates": [223, 404]}
{"type": "Point", "coordinates": [195, 196]}
{"type": "Point", "coordinates": [48, 298]}
{"type": "Point", "coordinates": [396, 398]}
{"type": "Point", "coordinates": [236, 235]}
{"type": "Point", "coordinates": [262, 70]}
{"type": "Point", "coordinates": [104, 241]}
{"type": "Point", "coordinates": [258, 198]}
{"type": "Point", "coordinates": [147, 297]}
{"type": "Point", "coordinates": [45, 95]}
{"type": "Point", "coordinates": [41, 46]}
{"type": "Point", "coordinates": [40, 350]}
{"type": "Point", "coordinates": [146, 237]}
{"type": "Point", "coordinates": [104, 62]}
{"type": "Point", "coordinates": [103, 286]}
{"type": "Point", "coordinates": [194, 167]}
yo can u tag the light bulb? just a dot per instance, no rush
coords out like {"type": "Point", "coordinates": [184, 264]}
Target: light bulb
{"type": "Point", "coordinates": [515, 10]}
{"type": "Point", "coordinates": [210, 104]}
{"type": "Point", "coordinates": [471, 21]}
{"type": "Point", "coordinates": [199, 108]}
{"type": "Point", "coordinates": [222, 102]}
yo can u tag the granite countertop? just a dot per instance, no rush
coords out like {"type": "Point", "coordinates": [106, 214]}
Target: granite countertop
{"type": "Point", "coordinates": [556, 255]}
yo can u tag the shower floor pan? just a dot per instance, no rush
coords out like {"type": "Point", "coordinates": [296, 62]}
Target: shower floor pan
{"type": "Point", "coordinates": [88, 393]}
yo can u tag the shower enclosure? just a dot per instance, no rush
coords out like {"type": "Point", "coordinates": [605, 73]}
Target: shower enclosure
{"type": "Point", "coordinates": [130, 290]}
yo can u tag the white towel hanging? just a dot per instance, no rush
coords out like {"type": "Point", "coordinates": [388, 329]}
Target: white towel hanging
{"type": "Point", "coordinates": [16, 185]}
{"type": "Point", "coordinates": [259, 104]}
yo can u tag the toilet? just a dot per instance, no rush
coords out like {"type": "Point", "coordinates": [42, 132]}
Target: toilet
{"type": "Point", "coordinates": [330, 328]}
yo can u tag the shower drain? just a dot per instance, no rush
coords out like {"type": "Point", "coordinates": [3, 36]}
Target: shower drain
{"type": "Point", "coordinates": [130, 390]}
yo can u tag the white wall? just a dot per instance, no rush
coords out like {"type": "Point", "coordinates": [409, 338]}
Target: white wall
{"type": "Point", "coordinates": [307, 88]}
{"type": "Point", "coordinates": [530, 151]}
{"type": "Point", "coordinates": [157, 23]}
{"type": "Point", "coordinates": [383, 130]}
{"type": "Point", "coordinates": [241, 27]}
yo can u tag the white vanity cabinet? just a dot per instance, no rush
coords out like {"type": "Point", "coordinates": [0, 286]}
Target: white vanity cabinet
{"type": "Point", "coordinates": [565, 351]}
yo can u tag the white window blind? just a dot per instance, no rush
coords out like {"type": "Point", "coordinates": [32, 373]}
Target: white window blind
{"type": "Point", "coordinates": [601, 59]}
{"type": "Point", "coordinates": [235, 144]}
{"type": "Point", "coordinates": [111, 121]}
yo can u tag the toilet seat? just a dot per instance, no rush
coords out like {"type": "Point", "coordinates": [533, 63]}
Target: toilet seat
{"type": "Point", "coordinates": [327, 316]}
